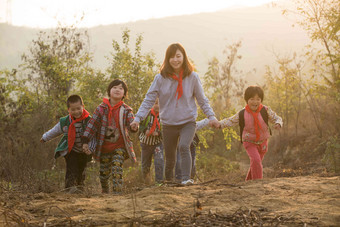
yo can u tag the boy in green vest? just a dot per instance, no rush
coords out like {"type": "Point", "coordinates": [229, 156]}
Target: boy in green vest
{"type": "Point", "coordinates": [72, 127]}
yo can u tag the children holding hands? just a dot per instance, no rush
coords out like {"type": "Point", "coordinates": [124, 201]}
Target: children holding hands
{"type": "Point", "coordinates": [110, 125]}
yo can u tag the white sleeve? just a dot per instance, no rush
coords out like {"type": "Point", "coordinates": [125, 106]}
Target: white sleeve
{"type": "Point", "coordinates": [231, 121]}
{"type": "Point", "coordinates": [201, 124]}
{"type": "Point", "coordinates": [52, 133]}
{"type": "Point", "coordinates": [273, 117]}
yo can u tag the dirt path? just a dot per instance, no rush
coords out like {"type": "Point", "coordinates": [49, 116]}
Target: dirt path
{"type": "Point", "coordinates": [311, 200]}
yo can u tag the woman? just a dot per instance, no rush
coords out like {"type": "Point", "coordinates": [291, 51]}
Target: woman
{"type": "Point", "coordinates": [177, 86]}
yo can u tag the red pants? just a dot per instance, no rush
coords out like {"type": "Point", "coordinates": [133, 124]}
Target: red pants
{"type": "Point", "coordinates": [256, 153]}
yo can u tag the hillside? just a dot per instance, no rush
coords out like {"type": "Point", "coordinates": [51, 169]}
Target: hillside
{"type": "Point", "coordinates": [296, 201]}
{"type": "Point", "coordinates": [262, 30]}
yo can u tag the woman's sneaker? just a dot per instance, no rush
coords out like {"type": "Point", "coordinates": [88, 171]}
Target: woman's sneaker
{"type": "Point", "coordinates": [188, 182]}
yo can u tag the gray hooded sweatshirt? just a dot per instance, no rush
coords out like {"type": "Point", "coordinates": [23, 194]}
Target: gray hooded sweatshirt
{"type": "Point", "coordinates": [173, 111]}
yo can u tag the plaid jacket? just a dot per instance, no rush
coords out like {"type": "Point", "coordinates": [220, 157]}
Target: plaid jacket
{"type": "Point", "coordinates": [97, 127]}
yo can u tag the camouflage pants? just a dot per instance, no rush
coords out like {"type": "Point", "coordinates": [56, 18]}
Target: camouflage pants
{"type": "Point", "coordinates": [111, 165]}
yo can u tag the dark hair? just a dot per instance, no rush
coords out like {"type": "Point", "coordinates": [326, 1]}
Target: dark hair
{"type": "Point", "coordinates": [74, 99]}
{"type": "Point", "coordinates": [253, 90]}
{"type": "Point", "coordinates": [117, 82]}
{"type": "Point", "coordinates": [166, 69]}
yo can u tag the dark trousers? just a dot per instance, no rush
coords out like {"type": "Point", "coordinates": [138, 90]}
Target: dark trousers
{"type": "Point", "coordinates": [158, 155]}
{"type": "Point", "coordinates": [75, 169]}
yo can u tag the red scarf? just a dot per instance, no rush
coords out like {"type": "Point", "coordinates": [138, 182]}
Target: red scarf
{"type": "Point", "coordinates": [155, 122]}
{"type": "Point", "coordinates": [257, 124]}
{"type": "Point", "coordinates": [71, 135]}
{"type": "Point", "coordinates": [112, 109]}
{"type": "Point", "coordinates": [179, 89]}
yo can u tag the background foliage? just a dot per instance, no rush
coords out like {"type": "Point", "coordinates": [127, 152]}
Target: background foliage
{"type": "Point", "coordinates": [303, 88]}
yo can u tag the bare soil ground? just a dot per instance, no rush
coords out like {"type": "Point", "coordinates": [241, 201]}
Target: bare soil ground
{"type": "Point", "coordinates": [286, 201]}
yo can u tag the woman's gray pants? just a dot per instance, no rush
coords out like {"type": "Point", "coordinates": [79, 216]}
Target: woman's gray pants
{"type": "Point", "coordinates": [181, 136]}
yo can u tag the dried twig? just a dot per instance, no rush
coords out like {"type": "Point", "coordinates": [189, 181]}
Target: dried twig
{"type": "Point", "coordinates": [68, 217]}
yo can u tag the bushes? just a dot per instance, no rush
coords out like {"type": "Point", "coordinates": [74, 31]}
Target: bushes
{"type": "Point", "coordinates": [332, 154]}
{"type": "Point", "coordinates": [210, 165]}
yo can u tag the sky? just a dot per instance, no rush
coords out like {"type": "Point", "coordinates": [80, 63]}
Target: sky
{"type": "Point", "coordinates": [47, 13]}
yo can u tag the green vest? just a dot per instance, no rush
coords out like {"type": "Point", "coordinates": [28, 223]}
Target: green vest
{"type": "Point", "coordinates": [63, 143]}
{"type": "Point", "coordinates": [143, 125]}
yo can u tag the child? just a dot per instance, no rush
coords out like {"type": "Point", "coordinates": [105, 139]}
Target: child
{"type": "Point", "coordinates": [254, 130]}
{"type": "Point", "coordinates": [110, 124]}
{"type": "Point", "coordinates": [151, 143]}
{"type": "Point", "coordinates": [70, 145]}
{"type": "Point", "coordinates": [178, 175]}
{"type": "Point", "coordinates": [178, 88]}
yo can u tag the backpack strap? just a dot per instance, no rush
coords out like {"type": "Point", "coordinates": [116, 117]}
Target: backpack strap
{"type": "Point", "coordinates": [241, 122]}
{"type": "Point", "coordinates": [144, 124]}
{"type": "Point", "coordinates": [196, 140]}
{"type": "Point", "coordinates": [264, 115]}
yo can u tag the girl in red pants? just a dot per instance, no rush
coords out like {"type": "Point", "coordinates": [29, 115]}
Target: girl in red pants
{"type": "Point", "coordinates": [254, 129]}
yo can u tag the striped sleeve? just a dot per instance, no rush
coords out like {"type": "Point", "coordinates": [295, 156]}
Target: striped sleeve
{"type": "Point", "coordinates": [201, 124]}
{"type": "Point", "coordinates": [52, 133]}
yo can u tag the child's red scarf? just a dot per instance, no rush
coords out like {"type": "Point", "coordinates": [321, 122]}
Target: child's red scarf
{"type": "Point", "coordinates": [179, 89]}
{"type": "Point", "coordinates": [257, 124]}
{"type": "Point", "coordinates": [155, 122]}
{"type": "Point", "coordinates": [112, 109]}
{"type": "Point", "coordinates": [71, 135]}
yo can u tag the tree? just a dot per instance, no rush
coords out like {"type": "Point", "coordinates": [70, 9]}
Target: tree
{"type": "Point", "coordinates": [136, 69]}
{"type": "Point", "coordinates": [321, 20]}
{"type": "Point", "coordinates": [221, 80]}
{"type": "Point", "coordinates": [56, 61]}
{"type": "Point", "coordinates": [285, 89]}
{"type": "Point", "coordinates": [224, 78]}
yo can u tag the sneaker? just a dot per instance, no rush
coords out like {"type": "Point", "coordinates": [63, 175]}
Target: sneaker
{"type": "Point", "coordinates": [188, 182]}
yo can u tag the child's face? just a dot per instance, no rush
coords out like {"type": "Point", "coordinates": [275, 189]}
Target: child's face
{"type": "Point", "coordinates": [76, 109]}
{"type": "Point", "coordinates": [176, 61]}
{"type": "Point", "coordinates": [254, 102]}
{"type": "Point", "coordinates": [156, 106]}
{"type": "Point", "coordinates": [117, 92]}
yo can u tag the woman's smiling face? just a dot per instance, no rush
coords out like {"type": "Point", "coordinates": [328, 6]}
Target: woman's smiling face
{"type": "Point", "coordinates": [176, 61]}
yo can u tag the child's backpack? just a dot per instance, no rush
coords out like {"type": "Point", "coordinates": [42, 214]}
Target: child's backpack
{"type": "Point", "coordinates": [241, 123]}
{"type": "Point", "coordinates": [143, 125]}
{"type": "Point", "coordinates": [196, 140]}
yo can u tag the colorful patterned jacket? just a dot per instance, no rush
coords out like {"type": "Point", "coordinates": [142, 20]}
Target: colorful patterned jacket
{"type": "Point", "coordinates": [97, 127]}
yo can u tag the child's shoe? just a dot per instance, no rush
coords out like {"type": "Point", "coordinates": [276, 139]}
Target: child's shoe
{"type": "Point", "coordinates": [188, 182]}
